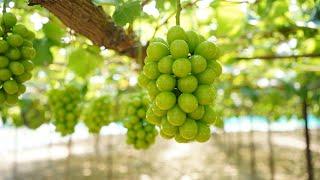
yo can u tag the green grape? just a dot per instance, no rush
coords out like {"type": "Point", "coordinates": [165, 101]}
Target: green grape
{"type": "Point", "coordinates": [4, 61]}
{"type": "Point", "coordinates": [8, 20]}
{"type": "Point", "coordinates": [21, 88]}
{"type": "Point", "coordinates": [10, 87]}
{"type": "Point", "coordinates": [176, 116]}
{"type": "Point", "coordinates": [189, 129]}
{"type": "Point", "coordinates": [15, 40]}
{"type": "Point", "coordinates": [187, 84]}
{"type": "Point", "coordinates": [181, 67]}
{"type": "Point", "coordinates": [181, 88]}
{"type": "Point", "coordinates": [2, 97]}
{"type": "Point", "coordinates": [97, 114]}
{"type": "Point", "coordinates": [5, 74]}
{"type": "Point", "coordinates": [33, 113]}
{"type": "Point", "coordinates": [198, 64]}
{"type": "Point", "coordinates": [179, 49]}
{"type": "Point", "coordinates": [165, 65]}
{"type": "Point", "coordinates": [175, 33]}
{"type": "Point", "coordinates": [16, 68]}
{"type": "Point", "coordinates": [28, 52]}
{"type": "Point", "coordinates": [188, 102]}
{"type": "Point", "coordinates": [166, 82]}
{"type": "Point", "coordinates": [28, 65]}
{"type": "Point", "coordinates": [13, 54]}
{"type": "Point", "coordinates": [165, 100]}
{"type": "Point", "coordinates": [157, 50]}
{"type": "Point", "coordinates": [23, 77]}
{"type": "Point", "coordinates": [4, 46]}
{"type": "Point", "coordinates": [20, 29]}
{"type": "Point", "coordinates": [11, 99]}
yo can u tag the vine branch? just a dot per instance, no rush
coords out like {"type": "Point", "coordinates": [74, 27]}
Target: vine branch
{"type": "Point", "coordinates": [179, 8]}
{"type": "Point", "coordinates": [279, 57]}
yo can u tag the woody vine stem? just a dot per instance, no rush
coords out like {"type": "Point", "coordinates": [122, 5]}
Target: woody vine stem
{"type": "Point", "coordinates": [178, 12]}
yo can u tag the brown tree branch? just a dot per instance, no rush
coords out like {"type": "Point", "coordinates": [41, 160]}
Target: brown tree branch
{"type": "Point", "coordinates": [279, 57]}
{"type": "Point", "coordinates": [92, 22]}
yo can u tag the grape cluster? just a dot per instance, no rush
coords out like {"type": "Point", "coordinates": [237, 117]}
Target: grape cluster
{"type": "Point", "coordinates": [178, 75]}
{"type": "Point", "coordinates": [140, 134]}
{"type": "Point", "coordinates": [16, 52]}
{"type": "Point", "coordinates": [65, 106]}
{"type": "Point", "coordinates": [98, 114]}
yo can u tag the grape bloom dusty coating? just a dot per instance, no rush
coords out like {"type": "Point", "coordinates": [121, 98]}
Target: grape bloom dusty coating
{"type": "Point", "coordinates": [98, 114]}
{"type": "Point", "coordinates": [16, 53]}
{"type": "Point", "coordinates": [179, 74]}
{"type": "Point", "coordinates": [65, 107]}
{"type": "Point", "coordinates": [141, 134]}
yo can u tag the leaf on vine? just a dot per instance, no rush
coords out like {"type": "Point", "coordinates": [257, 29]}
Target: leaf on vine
{"type": "Point", "coordinates": [53, 31]}
{"type": "Point", "coordinates": [127, 12]}
{"type": "Point", "coordinates": [43, 56]}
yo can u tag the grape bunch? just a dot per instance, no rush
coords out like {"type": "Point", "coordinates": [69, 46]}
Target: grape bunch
{"type": "Point", "coordinates": [140, 134]}
{"type": "Point", "coordinates": [179, 74]}
{"type": "Point", "coordinates": [16, 52]}
{"type": "Point", "coordinates": [65, 107]}
{"type": "Point", "coordinates": [98, 114]}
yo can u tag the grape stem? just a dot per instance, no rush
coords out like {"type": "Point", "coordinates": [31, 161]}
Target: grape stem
{"type": "Point", "coordinates": [4, 7]}
{"type": "Point", "coordinates": [178, 12]}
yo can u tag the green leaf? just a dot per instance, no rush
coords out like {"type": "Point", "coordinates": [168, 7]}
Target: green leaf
{"type": "Point", "coordinates": [106, 2]}
{"type": "Point", "coordinates": [83, 61]}
{"type": "Point", "coordinates": [43, 56]}
{"type": "Point", "coordinates": [127, 12]}
{"type": "Point", "coordinates": [53, 31]}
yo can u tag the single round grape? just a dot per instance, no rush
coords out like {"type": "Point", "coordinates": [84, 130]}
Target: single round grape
{"type": "Point", "coordinates": [13, 54]}
{"type": "Point", "coordinates": [11, 87]}
{"type": "Point", "coordinates": [152, 118]}
{"type": "Point", "coordinates": [22, 89]}
{"type": "Point", "coordinates": [167, 128]}
{"type": "Point", "coordinates": [143, 80]}
{"type": "Point", "coordinates": [204, 132]}
{"type": "Point", "coordinates": [205, 94]}
{"type": "Point", "coordinates": [23, 77]}
{"type": "Point", "coordinates": [207, 77]}
{"type": "Point", "coordinates": [4, 61]}
{"type": "Point", "coordinates": [28, 52]}
{"type": "Point", "coordinates": [187, 102]}
{"type": "Point", "coordinates": [198, 64]}
{"type": "Point", "coordinates": [193, 40]}
{"type": "Point", "coordinates": [198, 113]}
{"type": "Point", "coordinates": [181, 67]}
{"type": "Point", "coordinates": [15, 40]}
{"type": "Point", "coordinates": [12, 99]}
{"type": "Point", "coordinates": [179, 49]}
{"type": "Point", "coordinates": [165, 100]}
{"type": "Point", "coordinates": [176, 32]}
{"type": "Point", "coordinates": [209, 115]}
{"type": "Point", "coordinates": [216, 66]}
{"type": "Point", "coordinates": [181, 139]}
{"type": "Point", "coordinates": [157, 50]}
{"type": "Point", "coordinates": [4, 46]}
{"type": "Point", "coordinates": [151, 70]}
{"type": "Point", "coordinates": [30, 35]}
{"type": "Point", "coordinates": [188, 84]}
{"type": "Point", "coordinates": [8, 20]}
{"type": "Point", "coordinates": [5, 74]}
{"type": "Point", "coordinates": [20, 29]}
{"type": "Point", "coordinates": [141, 113]}
{"type": "Point", "coordinates": [165, 65]}
{"type": "Point", "coordinates": [28, 65]}
{"type": "Point", "coordinates": [207, 49]}
{"type": "Point", "coordinates": [166, 82]}
{"type": "Point", "coordinates": [165, 136]}
{"type": "Point", "coordinates": [176, 116]}
{"type": "Point", "coordinates": [189, 129]}
{"type": "Point", "coordinates": [153, 91]}
{"type": "Point", "coordinates": [157, 111]}
{"type": "Point", "coordinates": [16, 68]}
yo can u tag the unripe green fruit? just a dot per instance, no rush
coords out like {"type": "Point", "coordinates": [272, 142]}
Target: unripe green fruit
{"type": "Point", "coordinates": [165, 64]}
{"type": "Point", "coordinates": [20, 29]}
{"type": "Point", "coordinates": [143, 80]}
{"type": "Point", "coordinates": [198, 113]}
{"type": "Point", "coordinates": [4, 46]}
{"type": "Point", "coordinates": [167, 128]}
{"type": "Point", "coordinates": [209, 115]}
{"type": "Point", "coordinates": [157, 111]}
{"type": "Point", "coordinates": [176, 116]}
{"type": "Point", "coordinates": [152, 89]}
{"type": "Point", "coordinates": [207, 77]}
{"type": "Point", "coordinates": [188, 84]}
{"type": "Point", "coordinates": [166, 82]}
{"type": "Point", "coordinates": [30, 35]}
{"type": "Point", "coordinates": [207, 50]}
{"type": "Point", "coordinates": [188, 102]}
{"type": "Point", "coordinates": [5, 74]}
{"type": "Point", "coordinates": [13, 54]}
{"type": "Point", "coordinates": [176, 32]}
{"type": "Point", "coordinates": [141, 113]}
{"type": "Point", "coordinates": [189, 129]}
{"type": "Point", "coordinates": [28, 65]}
{"type": "Point", "coordinates": [165, 100]}
{"type": "Point", "coordinates": [157, 50]}
{"type": "Point", "coordinates": [204, 132]}
{"type": "Point", "coordinates": [27, 43]}
{"type": "Point", "coordinates": [12, 99]}
{"type": "Point", "coordinates": [15, 40]}
{"type": "Point", "coordinates": [16, 68]}
{"type": "Point", "coordinates": [151, 70]}
{"type": "Point", "coordinates": [152, 118]}
{"type": "Point", "coordinates": [4, 61]}
{"type": "Point", "coordinates": [216, 66]}
{"type": "Point", "coordinates": [158, 40]}
{"type": "Point", "coordinates": [180, 139]}
{"type": "Point", "coordinates": [23, 77]}
{"type": "Point", "coordinates": [179, 49]}
{"type": "Point", "coordinates": [198, 64]}
{"type": "Point", "coordinates": [2, 97]}
{"type": "Point", "coordinates": [193, 40]}
{"type": "Point", "coordinates": [28, 52]}
{"type": "Point", "coordinates": [22, 89]}
{"type": "Point", "coordinates": [165, 136]}
{"type": "Point", "coordinates": [10, 87]}
{"type": "Point", "coordinates": [8, 20]}
{"type": "Point", "coordinates": [1, 32]}
{"type": "Point", "coordinates": [181, 67]}
{"type": "Point", "coordinates": [205, 94]}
